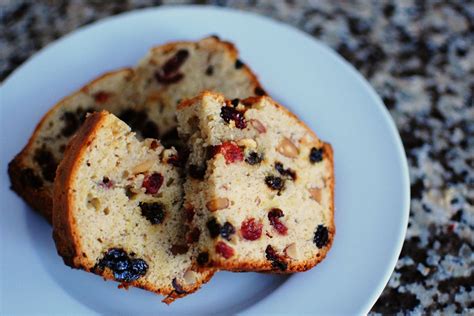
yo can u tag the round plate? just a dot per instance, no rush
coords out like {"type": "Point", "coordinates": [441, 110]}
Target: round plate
{"type": "Point", "coordinates": [372, 186]}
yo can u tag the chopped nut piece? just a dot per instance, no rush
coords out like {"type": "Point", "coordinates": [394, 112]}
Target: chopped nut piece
{"type": "Point", "coordinates": [315, 194]}
{"type": "Point", "coordinates": [190, 277]}
{"type": "Point", "coordinates": [258, 126]}
{"type": "Point", "coordinates": [142, 167]}
{"type": "Point", "coordinates": [287, 148]}
{"type": "Point", "coordinates": [292, 251]}
{"type": "Point", "coordinates": [217, 204]}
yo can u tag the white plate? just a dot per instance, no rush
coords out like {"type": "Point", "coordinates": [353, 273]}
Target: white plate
{"type": "Point", "coordinates": [372, 186]}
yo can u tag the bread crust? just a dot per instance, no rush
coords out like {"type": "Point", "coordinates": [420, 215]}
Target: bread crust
{"type": "Point", "coordinates": [65, 233]}
{"type": "Point", "coordinates": [39, 198]}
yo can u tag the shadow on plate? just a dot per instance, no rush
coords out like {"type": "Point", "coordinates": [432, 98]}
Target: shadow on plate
{"type": "Point", "coordinates": [226, 293]}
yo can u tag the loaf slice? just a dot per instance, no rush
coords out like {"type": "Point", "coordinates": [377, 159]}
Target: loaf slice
{"type": "Point", "coordinates": [260, 185]}
{"type": "Point", "coordinates": [144, 97]}
{"type": "Point", "coordinates": [33, 170]}
{"type": "Point", "coordinates": [181, 70]}
{"type": "Point", "coordinates": [117, 210]}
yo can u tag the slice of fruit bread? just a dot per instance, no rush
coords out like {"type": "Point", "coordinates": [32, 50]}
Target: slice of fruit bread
{"type": "Point", "coordinates": [260, 185]}
{"type": "Point", "coordinates": [145, 98]}
{"type": "Point", "coordinates": [118, 210]}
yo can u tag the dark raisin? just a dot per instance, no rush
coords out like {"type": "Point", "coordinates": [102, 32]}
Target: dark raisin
{"type": "Point", "coordinates": [138, 121]}
{"type": "Point", "coordinates": [123, 267]}
{"type": "Point", "coordinates": [253, 158]}
{"type": "Point", "coordinates": [169, 74]}
{"type": "Point", "coordinates": [179, 249]}
{"type": "Point", "coordinates": [224, 250]}
{"type": "Point", "coordinates": [235, 102]}
{"type": "Point", "coordinates": [229, 113]}
{"type": "Point", "coordinates": [152, 183]}
{"type": "Point", "coordinates": [251, 229]}
{"type": "Point", "coordinates": [274, 217]}
{"type": "Point", "coordinates": [202, 258]}
{"type": "Point", "coordinates": [321, 236]}
{"type": "Point", "coordinates": [106, 183]}
{"type": "Point", "coordinates": [48, 164]}
{"type": "Point", "coordinates": [170, 138]}
{"type": "Point", "coordinates": [259, 91]}
{"type": "Point", "coordinates": [29, 178]}
{"type": "Point", "coordinates": [193, 235]}
{"type": "Point", "coordinates": [214, 227]}
{"type": "Point", "coordinates": [177, 287]}
{"type": "Point", "coordinates": [154, 212]}
{"type": "Point", "coordinates": [238, 64]}
{"type": "Point", "coordinates": [275, 259]}
{"type": "Point", "coordinates": [73, 120]}
{"type": "Point", "coordinates": [274, 183]}
{"type": "Point", "coordinates": [209, 70]}
{"type": "Point", "coordinates": [227, 230]}
{"type": "Point", "coordinates": [285, 172]}
{"type": "Point", "coordinates": [197, 172]}
{"type": "Point", "coordinates": [189, 212]}
{"type": "Point", "coordinates": [316, 155]}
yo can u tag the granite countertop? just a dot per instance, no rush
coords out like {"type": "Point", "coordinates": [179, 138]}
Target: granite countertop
{"type": "Point", "coordinates": [419, 56]}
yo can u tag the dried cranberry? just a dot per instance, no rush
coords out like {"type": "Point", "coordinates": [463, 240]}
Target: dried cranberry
{"type": "Point", "coordinates": [285, 172]}
{"type": "Point", "coordinates": [202, 258]}
{"type": "Point", "coordinates": [197, 172]}
{"type": "Point", "coordinates": [179, 249]}
{"type": "Point", "coordinates": [274, 218]}
{"type": "Point", "coordinates": [189, 210]}
{"type": "Point", "coordinates": [321, 236]}
{"type": "Point", "coordinates": [106, 183]}
{"type": "Point", "coordinates": [253, 158]}
{"type": "Point", "coordinates": [124, 268]}
{"type": "Point", "coordinates": [101, 97]}
{"type": "Point", "coordinates": [229, 113]}
{"type": "Point", "coordinates": [214, 227]}
{"type": "Point", "coordinates": [251, 229]}
{"type": "Point", "coordinates": [169, 74]}
{"type": "Point", "coordinates": [227, 230]}
{"type": "Point", "coordinates": [276, 260]}
{"type": "Point", "coordinates": [177, 287]}
{"type": "Point", "coordinates": [316, 155]}
{"type": "Point", "coordinates": [230, 151]}
{"type": "Point", "coordinates": [193, 235]}
{"type": "Point", "coordinates": [152, 183]}
{"type": "Point", "coordinates": [154, 212]}
{"type": "Point", "coordinates": [224, 250]}
{"type": "Point", "coordinates": [238, 64]}
{"type": "Point", "coordinates": [274, 183]}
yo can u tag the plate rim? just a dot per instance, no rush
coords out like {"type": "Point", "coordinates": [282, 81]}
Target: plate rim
{"type": "Point", "coordinates": [388, 120]}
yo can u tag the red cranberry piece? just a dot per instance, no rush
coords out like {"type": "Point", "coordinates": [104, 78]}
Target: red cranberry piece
{"type": "Point", "coordinates": [230, 151]}
{"type": "Point", "coordinates": [193, 235]}
{"type": "Point", "coordinates": [274, 218]}
{"type": "Point", "coordinates": [229, 113]}
{"type": "Point", "coordinates": [152, 183]}
{"type": "Point", "coordinates": [224, 250]}
{"type": "Point", "coordinates": [251, 229]}
{"type": "Point", "coordinates": [189, 211]}
{"type": "Point", "coordinates": [101, 97]}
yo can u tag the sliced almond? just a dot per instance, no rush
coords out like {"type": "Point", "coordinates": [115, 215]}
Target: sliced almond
{"type": "Point", "coordinates": [287, 148]}
{"type": "Point", "coordinates": [247, 142]}
{"type": "Point", "coordinates": [217, 204]}
{"type": "Point", "coordinates": [292, 251]}
{"type": "Point", "coordinates": [308, 139]}
{"type": "Point", "coordinates": [190, 277]}
{"type": "Point", "coordinates": [258, 126]}
{"type": "Point", "coordinates": [316, 194]}
{"type": "Point", "coordinates": [142, 167]}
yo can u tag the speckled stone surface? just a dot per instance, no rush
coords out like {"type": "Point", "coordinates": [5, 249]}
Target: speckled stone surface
{"type": "Point", "coordinates": [419, 56]}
